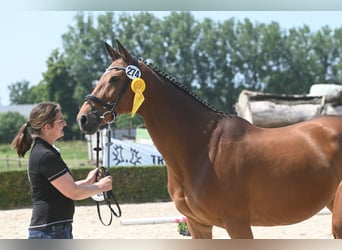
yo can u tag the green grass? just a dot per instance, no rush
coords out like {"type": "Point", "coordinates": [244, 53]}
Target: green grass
{"type": "Point", "coordinates": [74, 153]}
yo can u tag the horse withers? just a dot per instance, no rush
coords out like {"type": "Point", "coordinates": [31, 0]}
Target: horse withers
{"type": "Point", "coordinates": [222, 170]}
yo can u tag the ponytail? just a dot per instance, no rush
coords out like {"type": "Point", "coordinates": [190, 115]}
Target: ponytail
{"type": "Point", "coordinates": [23, 140]}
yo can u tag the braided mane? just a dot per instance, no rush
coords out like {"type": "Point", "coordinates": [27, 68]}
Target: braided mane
{"type": "Point", "coordinates": [179, 85]}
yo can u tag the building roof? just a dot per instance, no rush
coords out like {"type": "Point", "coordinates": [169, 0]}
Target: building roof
{"type": "Point", "coordinates": [23, 109]}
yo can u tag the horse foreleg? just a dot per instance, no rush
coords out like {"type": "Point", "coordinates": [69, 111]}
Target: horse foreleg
{"type": "Point", "coordinates": [198, 230]}
{"type": "Point", "coordinates": [337, 214]}
{"type": "Point", "coordinates": [238, 228]}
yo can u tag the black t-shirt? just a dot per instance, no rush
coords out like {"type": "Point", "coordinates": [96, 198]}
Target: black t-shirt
{"type": "Point", "coordinates": [49, 205]}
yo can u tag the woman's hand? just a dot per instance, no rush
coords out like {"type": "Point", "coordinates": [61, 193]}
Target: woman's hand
{"type": "Point", "coordinates": [92, 175]}
{"type": "Point", "coordinates": [105, 183]}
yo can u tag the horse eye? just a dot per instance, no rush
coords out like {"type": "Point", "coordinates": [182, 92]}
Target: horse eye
{"type": "Point", "coordinates": [114, 79]}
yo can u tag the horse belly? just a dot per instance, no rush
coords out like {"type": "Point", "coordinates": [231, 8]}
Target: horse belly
{"type": "Point", "coordinates": [284, 205]}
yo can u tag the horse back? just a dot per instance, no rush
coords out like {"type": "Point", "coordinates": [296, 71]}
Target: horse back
{"type": "Point", "coordinates": [316, 138]}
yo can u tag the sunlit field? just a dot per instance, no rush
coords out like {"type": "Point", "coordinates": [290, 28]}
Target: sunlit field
{"type": "Point", "coordinates": [74, 153]}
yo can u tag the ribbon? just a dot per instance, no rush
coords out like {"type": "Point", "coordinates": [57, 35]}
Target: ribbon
{"type": "Point", "coordinates": [138, 87]}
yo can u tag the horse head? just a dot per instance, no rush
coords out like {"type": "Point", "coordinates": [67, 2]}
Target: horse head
{"type": "Point", "coordinates": [112, 94]}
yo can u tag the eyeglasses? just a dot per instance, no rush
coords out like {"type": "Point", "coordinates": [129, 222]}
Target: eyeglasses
{"type": "Point", "coordinates": [60, 121]}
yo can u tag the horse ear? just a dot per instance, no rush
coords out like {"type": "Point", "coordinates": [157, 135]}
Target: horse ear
{"type": "Point", "coordinates": [111, 52]}
{"type": "Point", "coordinates": [126, 56]}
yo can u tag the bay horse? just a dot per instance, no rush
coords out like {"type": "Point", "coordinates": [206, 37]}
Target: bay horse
{"type": "Point", "coordinates": [222, 170]}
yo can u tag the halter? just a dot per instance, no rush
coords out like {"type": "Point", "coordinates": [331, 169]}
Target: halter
{"type": "Point", "coordinates": [110, 106]}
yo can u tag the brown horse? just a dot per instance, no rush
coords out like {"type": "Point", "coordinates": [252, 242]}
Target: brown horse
{"type": "Point", "coordinates": [222, 170]}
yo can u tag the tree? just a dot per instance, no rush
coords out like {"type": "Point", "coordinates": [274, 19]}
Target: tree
{"type": "Point", "coordinates": [60, 88]}
{"type": "Point", "coordinates": [336, 70]}
{"type": "Point", "coordinates": [84, 54]}
{"type": "Point", "coordinates": [19, 92]}
{"type": "Point", "coordinates": [38, 93]}
{"type": "Point", "coordinates": [306, 58]}
{"type": "Point", "coordinates": [214, 69]}
{"type": "Point", "coordinates": [10, 122]}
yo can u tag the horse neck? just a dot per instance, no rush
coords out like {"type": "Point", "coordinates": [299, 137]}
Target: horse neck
{"type": "Point", "coordinates": [180, 125]}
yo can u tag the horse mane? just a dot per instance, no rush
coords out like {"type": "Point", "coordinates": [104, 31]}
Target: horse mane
{"type": "Point", "coordinates": [179, 85]}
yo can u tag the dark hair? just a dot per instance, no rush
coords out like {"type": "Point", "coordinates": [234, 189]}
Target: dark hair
{"type": "Point", "coordinates": [43, 113]}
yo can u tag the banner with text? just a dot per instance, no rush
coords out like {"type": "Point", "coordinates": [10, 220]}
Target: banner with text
{"type": "Point", "coordinates": [126, 153]}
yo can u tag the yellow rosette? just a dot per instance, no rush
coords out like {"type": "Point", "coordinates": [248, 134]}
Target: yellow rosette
{"type": "Point", "coordinates": [138, 87]}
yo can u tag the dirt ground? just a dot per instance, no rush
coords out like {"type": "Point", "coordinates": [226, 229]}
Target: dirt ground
{"type": "Point", "coordinates": [160, 218]}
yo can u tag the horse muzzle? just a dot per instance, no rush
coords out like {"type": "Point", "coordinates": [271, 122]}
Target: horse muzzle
{"type": "Point", "coordinates": [88, 123]}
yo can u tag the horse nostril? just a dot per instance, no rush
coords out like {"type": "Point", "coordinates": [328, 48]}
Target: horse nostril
{"type": "Point", "coordinates": [83, 120]}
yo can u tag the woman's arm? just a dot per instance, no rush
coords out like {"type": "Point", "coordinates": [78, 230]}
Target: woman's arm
{"type": "Point", "coordinates": [82, 189]}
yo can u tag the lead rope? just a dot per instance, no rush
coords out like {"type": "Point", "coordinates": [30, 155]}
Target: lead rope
{"type": "Point", "coordinates": [105, 197]}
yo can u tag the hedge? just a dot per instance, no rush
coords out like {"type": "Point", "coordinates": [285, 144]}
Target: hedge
{"type": "Point", "coordinates": [130, 185]}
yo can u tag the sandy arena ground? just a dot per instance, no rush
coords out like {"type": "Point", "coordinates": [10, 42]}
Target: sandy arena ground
{"type": "Point", "coordinates": [13, 224]}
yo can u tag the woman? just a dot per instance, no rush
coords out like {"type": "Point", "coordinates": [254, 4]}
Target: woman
{"type": "Point", "coordinates": [53, 188]}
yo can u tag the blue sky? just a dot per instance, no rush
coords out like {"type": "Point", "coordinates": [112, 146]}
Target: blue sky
{"type": "Point", "coordinates": [28, 37]}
